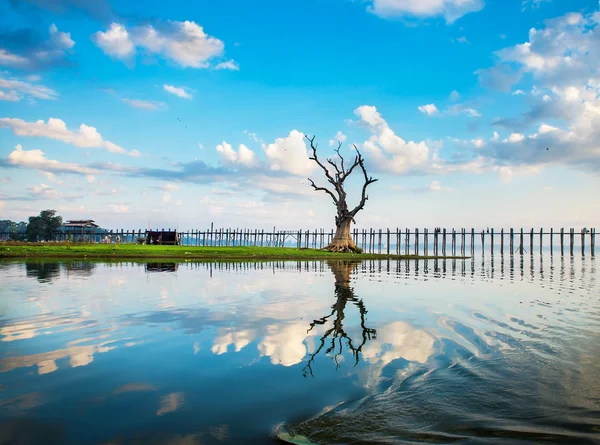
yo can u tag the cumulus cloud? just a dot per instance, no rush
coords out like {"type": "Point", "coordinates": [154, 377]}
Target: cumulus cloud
{"type": "Point", "coordinates": [184, 43]}
{"type": "Point", "coordinates": [85, 137]}
{"type": "Point", "coordinates": [115, 42]}
{"type": "Point", "coordinates": [451, 10]}
{"type": "Point", "coordinates": [36, 159]}
{"type": "Point", "coordinates": [429, 109]}
{"type": "Point", "coordinates": [388, 150]}
{"type": "Point", "coordinates": [289, 154]}
{"type": "Point", "coordinates": [244, 156]}
{"type": "Point", "coordinates": [143, 104]}
{"type": "Point", "coordinates": [454, 96]}
{"type": "Point", "coordinates": [14, 90]}
{"type": "Point", "coordinates": [560, 58]}
{"type": "Point", "coordinates": [177, 91]}
{"type": "Point", "coordinates": [25, 50]}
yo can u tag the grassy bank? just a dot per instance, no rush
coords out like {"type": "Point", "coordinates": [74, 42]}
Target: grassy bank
{"type": "Point", "coordinates": [134, 251]}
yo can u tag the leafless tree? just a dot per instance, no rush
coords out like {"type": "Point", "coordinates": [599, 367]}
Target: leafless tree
{"type": "Point", "coordinates": [336, 174]}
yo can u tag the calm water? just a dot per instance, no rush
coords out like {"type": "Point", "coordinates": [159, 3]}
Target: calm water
{"type": "Point", "coordinates": [502, 351]}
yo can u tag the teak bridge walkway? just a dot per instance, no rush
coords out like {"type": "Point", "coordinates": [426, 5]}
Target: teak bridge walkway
{"type": "Point", "coordinates": [437, 242]}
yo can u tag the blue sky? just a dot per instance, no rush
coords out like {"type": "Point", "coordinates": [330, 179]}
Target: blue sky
{"type": "Point", "coordinates": [472, 113]}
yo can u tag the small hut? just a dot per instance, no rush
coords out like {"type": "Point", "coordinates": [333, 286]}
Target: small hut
{"type": "Point", "coordinates": [81, 229]}
{"type": "Point", "coordinates": [162, 237]}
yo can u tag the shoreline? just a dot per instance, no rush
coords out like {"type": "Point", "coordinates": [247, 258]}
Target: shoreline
{"type": "Point", "coordinates": [144, 252]}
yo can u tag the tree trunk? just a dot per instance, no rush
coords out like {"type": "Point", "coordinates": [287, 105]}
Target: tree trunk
{"type": "Point", "coordinates": [342, 240]}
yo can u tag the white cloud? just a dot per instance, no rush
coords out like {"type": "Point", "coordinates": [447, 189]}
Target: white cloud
{"type": "Point", "coordinates": [26, 88]}
{"type": "Point", "coordinates": [244, 156]}
{"type": "Point", "coordinates": [115, 42]}
{"type": "Point", "coordinates": [37, 160]}
{"type": "Point", "coordinates": [462, 39]}
{"type": "Point", "coordinates": [60, 40]}
{"type": "Point", "coordinates": [177, 91]}
{"type": "Point", "coordinates": [44, 191]}
{"type": "Point", "coordinates": [289, 154]}
{"type": "Point", "coordinates": [85, 137]}
{"type": "Point", "coordinates": [450, 9]}
{"type": "Point", "coordinates": [478, 143]}
{"type": "Point", "coordinates": [143, 104]}
{"type": "Point", "coordinates": [339, 137]}
{"type": "Point", "coordinates": [184, 43]}
{"type": "Point", "coordinates": [10, 59]}
{"type": "Point", "coordinates": [429, 109]}
{"type": "Point", "coordinates": [518, 93]}
{"type": "Point", "coordinates": [9, 96]}
{"type": "Point", "coordinates": [388, 150]}
{"type": "Point", "coordinates": [515, 137]}
{"type": "Point", "coordinates": [562, 52]}
{"type": "Point", "coordinates": [228, 65]}
{"type": "Point", "coordinates": [454, 96]}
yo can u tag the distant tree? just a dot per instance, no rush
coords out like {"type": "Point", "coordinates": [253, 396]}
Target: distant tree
{"type": "Point", "coordinates": [44, 226]}
{"type": "Point", "coordinates": [14, 230]}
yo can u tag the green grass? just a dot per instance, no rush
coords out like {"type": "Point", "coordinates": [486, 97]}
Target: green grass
{"type": "Point", "coordinates": [135, 251]}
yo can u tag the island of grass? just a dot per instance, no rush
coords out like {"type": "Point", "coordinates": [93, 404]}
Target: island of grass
{"type": "Point", "coordinates": [142, 251]}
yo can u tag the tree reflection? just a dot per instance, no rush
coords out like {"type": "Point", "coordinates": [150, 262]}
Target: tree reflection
{"type": "Point", "coordinates": [44, 272]}
{"type": "Point", "coordinates": [333, 339]}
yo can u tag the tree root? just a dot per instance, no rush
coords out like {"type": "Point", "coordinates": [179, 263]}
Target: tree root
{"type": "Point", "coordinates": [343, 246]}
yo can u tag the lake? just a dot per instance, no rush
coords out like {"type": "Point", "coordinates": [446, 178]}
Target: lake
{"type": "Point", "coordinates": [494, 350]}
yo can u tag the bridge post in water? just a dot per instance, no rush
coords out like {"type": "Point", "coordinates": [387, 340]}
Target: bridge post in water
{"type": "Point", "coordinates": [416, 241]}
{"type": "Point", "coordinates": [551, 241]}
{"type": "Point", "coordinates": [531, 242]}
{"type": "Point", "coordinates": [512, 241]}
{"type": "Point", "coordinates": [482, 243]}
{"type": "Point", "coordinates": [472, 241]}
{"type": "Point", "coordinates": [492, 242]}
{"type": "Point", "coordinates": [444, 243]}
{"type": "Point", "coordinates": [592, 242]}
{"type": "Point", "coordinates": [582, 242]}
{"type": "Point", "coordinates": [501, 241]}
{"type": "Point", "coordinates": [571, 240]}
{"type": "Point", "coordinates": [521, 242]}
{"type": "Point", "coordinates": [388, 241]}
{"type": "Point", "coordinates": [562, 241]}
{"type": "Point", "coordinates": [541, 239]}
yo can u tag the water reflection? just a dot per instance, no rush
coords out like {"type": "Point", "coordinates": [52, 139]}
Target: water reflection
{"type": "Point", "coordinates": [448, 350]}
{"type": "Point", "coordinates": [161, 267]}
{"type": "Point", "coordinates": [43, 272]}
{"type": "Point", "coordinates": [336, 335]}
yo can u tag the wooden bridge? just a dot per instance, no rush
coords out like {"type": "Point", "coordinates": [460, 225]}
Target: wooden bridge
{"type": "Point", "coordinates": [428, 242]}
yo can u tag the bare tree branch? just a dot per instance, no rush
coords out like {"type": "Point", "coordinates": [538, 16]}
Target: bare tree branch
{"type": "Point", "coordinates": [368, 181]}
{"type": "Point", "coordinates": [316, 159]}
{"type": "Point", "coordinates": [323, 189]}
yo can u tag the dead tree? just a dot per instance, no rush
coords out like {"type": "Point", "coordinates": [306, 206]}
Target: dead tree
{"type": "Point", "coordinates": [342, 240]}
